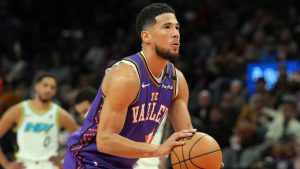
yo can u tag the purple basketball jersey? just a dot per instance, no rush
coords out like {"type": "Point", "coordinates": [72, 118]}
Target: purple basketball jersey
{"type": "Point", "coordinates": [142, 120]}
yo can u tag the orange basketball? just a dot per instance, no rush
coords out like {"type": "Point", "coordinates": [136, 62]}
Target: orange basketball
{"type": "Point", "coordinates": [200, 151]}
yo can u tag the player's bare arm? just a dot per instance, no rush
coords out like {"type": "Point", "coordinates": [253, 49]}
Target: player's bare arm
{"type": "Point", "coordinates": [121, 86]}
{"type": "Point", "coordinates": [10, 119]}
{"type": "Point", "coordinates": [179, 115]}
{"type": "Point", "coordinates": [67, 121]}
{"type": "Point", "coordinates": [178, 112]}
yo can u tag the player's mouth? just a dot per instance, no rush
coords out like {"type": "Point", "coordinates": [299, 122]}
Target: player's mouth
{"type": "Point", "coordinates": [175, 44]}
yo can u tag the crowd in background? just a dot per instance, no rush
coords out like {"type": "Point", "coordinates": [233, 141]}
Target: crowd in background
{"type": "Point", "coordinates": [77, 40]}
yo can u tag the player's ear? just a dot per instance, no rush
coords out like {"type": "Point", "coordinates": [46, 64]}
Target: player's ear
{"type": "Point", "coordinates": [146, 37]}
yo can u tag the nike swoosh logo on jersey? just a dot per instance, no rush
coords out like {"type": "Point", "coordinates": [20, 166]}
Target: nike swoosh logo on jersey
{"type": "Point", "coordinates": [145, 85]}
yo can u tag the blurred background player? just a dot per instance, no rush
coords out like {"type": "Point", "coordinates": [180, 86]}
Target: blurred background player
{"type": "Point", "coordinates": [38, 122]}
{"type": "Point", "coordinates": [82, 102]}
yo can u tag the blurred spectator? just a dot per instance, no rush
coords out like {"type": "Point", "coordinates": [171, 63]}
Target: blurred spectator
{"type": "Point", "coordinates": [281, 85]}
{"type": "Point", "coordinates": [252, 122]}
{"type": "Point", "coordinates": [260, 89]}
{"type": "Point", "coordinates": [260, 86]}
{"type": "Point", "coordinates": [96, 56]}
{"type": "Point", "coordinates": [230, 112]}
{"type": "Point", "coordinates": [282, 152]}
{"type": "Point", "coordinates": [60, 70]}
{"type": "Point", "coordinates": [237, 93]}
{"type": "Point", "coordinates": [201, 112]}
{"type": "Point", "coordinates": [231, 155]}
{"type": "Point", "coordinates": [82, 102]}
{"type": "Point", "coordinates": [285, 124]}
{"type": "Point", "coordinates": [217, 127]}
{"type": "Point", "coordinates": [295, 161]}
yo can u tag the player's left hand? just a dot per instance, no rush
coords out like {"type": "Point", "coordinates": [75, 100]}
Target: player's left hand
{"type": "Point", "coordinates": [56, 160]}
{"type": "Point", "coordinates": [173, 141]}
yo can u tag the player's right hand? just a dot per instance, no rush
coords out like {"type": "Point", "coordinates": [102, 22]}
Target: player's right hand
{"type": "Point", "coordinates": [173, 141]}
{"type": "Point", "coordinates": [15, 165]}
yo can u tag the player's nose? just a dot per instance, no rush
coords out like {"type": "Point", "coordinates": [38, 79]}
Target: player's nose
{"type": "Point", "coordinates": [176, 34]}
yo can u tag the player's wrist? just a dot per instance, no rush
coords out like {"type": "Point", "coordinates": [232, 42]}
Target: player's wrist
{"type": "Point", "coordinates": [155, 152]}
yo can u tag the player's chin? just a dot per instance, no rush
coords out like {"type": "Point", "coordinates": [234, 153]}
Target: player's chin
{"type": "Point", "coordinates": [46, 99]}
{"type": "Point", "coordinates": [175, 52]}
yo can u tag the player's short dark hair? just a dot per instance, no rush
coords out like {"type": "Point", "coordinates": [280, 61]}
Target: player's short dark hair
{"type": "Point", "coordinates": [147, 15]}
{"type": "Point", "coordinates": [40, 76]}
{"type": "Point", "coordinates": [87, 93]}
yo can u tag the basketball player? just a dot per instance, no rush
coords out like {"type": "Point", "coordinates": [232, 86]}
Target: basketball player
{"type": "Point", "coordinates": [82, 102]}
{"type": "Point", "coordinates": [134, 97]}
{"type": "Point", "coordinates": [37, 123]}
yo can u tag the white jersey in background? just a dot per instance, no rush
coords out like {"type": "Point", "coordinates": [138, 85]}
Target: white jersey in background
{"type": "Point", "coordinates": [152, 163]}
{"type": "Point", "coordinates": [37, 133]}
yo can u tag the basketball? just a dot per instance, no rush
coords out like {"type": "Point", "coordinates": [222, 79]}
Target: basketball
{"type": "Point", "coordinates": [200, 151]}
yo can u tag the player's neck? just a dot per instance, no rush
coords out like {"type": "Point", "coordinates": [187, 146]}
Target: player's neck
{"type": "Point", "coordinates": [38, 104]}
{"type": "Point", "coordinates": [155, 63]}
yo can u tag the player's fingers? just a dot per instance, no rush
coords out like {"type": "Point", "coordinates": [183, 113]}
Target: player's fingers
{"type": "Point", "coordinates": [178, 143]}
{"type": "Point", "coordinates": [189, 131]}
{"type": "Point", "coordinates": [182, 135]}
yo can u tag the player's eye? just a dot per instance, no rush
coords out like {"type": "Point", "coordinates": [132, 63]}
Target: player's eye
{"type": "Point", "coordinates": [167, 27]}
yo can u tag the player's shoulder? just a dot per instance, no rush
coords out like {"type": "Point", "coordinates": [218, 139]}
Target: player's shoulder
{"type": "Point", "coordinates": [59, 108]}
{"type": "Point", "coordinates": [54, 105]}
{"type": "Point", "coordinates": [179, 74]}
{"type": "Point", "coordinates": [122, 73]}
{"type": "Point", "coordinates": [121, 78]}
{"type": "Point", "coordinates": [15, 110]}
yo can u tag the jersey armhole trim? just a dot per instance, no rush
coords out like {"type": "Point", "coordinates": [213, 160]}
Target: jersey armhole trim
{"type": "Point", "coordinates": [21, 119]}
{"type": "Point", "coordinates": [175, 89]}
{"type": "Point", "coordinates": [137, 70]}
{"type": "Point", "coordinates": [58, 116]}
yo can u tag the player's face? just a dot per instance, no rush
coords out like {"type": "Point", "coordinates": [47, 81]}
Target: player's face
{"type": "Point", "coordinates": [166, 36]}
{"type": "Point", "coordinates": [46, 89]}
{"type": "Point", "coordinates": [82, 108]}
